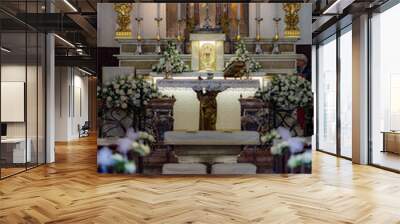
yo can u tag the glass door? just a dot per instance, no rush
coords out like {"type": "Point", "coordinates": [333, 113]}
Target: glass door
{"type": "Point", "coordinates": [326, 76]}
{"type": "Point", "coordinates": [385, 89]}
{"type": "Point", "coordinates": [346, 95]}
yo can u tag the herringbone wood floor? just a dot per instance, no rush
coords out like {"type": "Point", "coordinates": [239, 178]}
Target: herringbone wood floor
{"type": "Point", "coordinates": [70, 191]}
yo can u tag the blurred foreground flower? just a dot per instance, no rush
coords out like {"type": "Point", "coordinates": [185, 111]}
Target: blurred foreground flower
{"type": "Point", "coordinates": [303, 159]}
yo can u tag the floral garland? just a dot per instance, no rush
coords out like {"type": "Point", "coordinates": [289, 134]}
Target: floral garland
{"type": "Point", "coordinates": [241, 54]}
{"type": "Point", "coordinates": [121, 161]}
{"type": "Point", "coordinates": [127, 93]}
{"type": "Point", "coordinates": [171, 61]}
{"type": "Point", "coordinates": [287, 92]}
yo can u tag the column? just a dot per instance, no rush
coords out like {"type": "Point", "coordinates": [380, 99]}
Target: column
{"type": "Point", "coordinates": [360, 90]}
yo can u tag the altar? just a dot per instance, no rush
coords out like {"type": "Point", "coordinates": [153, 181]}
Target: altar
{"type": "Point", "coordinates": [187, 74]}
{"type": "Point", "coordinates": [187, 105]}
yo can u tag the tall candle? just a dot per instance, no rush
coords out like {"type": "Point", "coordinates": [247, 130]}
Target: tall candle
{"type": "Point", "coordinates": [179, 11]}
{"type": "Point", "coordinates": [158, 10]}
{"type": "Point", "coordinates": [238, 11]}
{"type": "Point", "coordinates": [258, 10]}
{"type": "Point", "coordinates": [137, 10]}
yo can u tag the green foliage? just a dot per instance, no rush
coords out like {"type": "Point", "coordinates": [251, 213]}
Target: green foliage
{"type": "Point", "coordinates": [241, 54]}
{"type": "Point", "coordinates": [171, 61]}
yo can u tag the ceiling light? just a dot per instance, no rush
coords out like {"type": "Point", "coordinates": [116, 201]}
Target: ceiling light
{"type": "Point", "coordinates": [70, 5]}
{"type": "Point", "coordinates": [5, 50]}
{"type": "Point", "coordinates": [84, 71]}
{"type": "Point", "coordinates": [337, 7]}
{"type": "Point", "coordinates": [64, 40]}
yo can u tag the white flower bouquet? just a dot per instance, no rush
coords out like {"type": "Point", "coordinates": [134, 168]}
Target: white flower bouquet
{"type": "Point", "coordinates": [287, 92]}
{"type": "Point", "coordinates": [171, 61]}
{"type": "Point", "coordinates": [241, 54]}
{"type": "Point", "coordinates": [127, 93]}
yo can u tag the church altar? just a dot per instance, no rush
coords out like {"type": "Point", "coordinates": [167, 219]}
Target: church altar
{"type": "Point", "coordinates": [187, 106]}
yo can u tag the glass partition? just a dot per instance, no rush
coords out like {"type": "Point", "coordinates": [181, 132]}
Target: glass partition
{"type": "Point", "coordinates": [23, 88]}
{"type": "Point", "coordinates": [385, 89]}
{"type": "Point", "coordinates": [327, 96]}
{"type": "Point", "coordinates": [346, 93]}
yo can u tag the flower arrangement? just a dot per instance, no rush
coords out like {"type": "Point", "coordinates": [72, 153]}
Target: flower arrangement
{"type": "Point", "coordinates": [171, 61]}
{"type": "Point", "coordinates": [287, 92]}
{"type": "Point", "coordinates": [302, 159]}
{"type": "Point", "coordinates": [127, 93]}
{"type": "Point", "coordinates": [121, 161]}
{"type": "Point", "coordinates": [282, 142]}
{"type": "Point", "coordinates": [269, 137]}
{"type": "Point", "coordinates": [241, 54]}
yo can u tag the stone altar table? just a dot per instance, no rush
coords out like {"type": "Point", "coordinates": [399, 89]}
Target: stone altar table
{"type": "Point", "coordinates": [209, 146]}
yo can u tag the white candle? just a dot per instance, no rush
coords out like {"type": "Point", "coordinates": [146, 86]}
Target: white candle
{"type": "Point", "coordinates": [179, 11]}
{"type": "Point", "coordinates": [258, 10]}
{"type": "Point", "coordinates": [158, 10]}
{"type": "Point", "coordinates": [277, 10]}
{"type": "Point", "coordinates": [137, 10]}
{"type": "Point", "coordinates": [238, 11]}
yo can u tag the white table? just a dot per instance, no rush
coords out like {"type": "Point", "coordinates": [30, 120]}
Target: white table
{"type": "Point", "coordinates": [19, 155]}
{"type": "Point", "coordinates": [210, 146]}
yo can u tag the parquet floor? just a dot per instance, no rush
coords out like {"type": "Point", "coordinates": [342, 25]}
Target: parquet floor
{"type": "Point", "coordinates": [70, 191]}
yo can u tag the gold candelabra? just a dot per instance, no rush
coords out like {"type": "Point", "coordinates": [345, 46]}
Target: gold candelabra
{"type": "Point", "coordinates": [123, 11]}
{"type": "Point", "coordinates": [292, 19]}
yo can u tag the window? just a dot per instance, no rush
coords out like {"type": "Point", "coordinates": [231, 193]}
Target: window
{"type": "Point", "coordinates": [346, 93]}
{"type": "Point", "coordinates": [327, 96]}
{"type": "Point", "coordinates": [385, 89]}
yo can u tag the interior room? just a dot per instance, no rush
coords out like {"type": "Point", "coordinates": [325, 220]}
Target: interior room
{"type": "Point", "coordinates": [199, 112]}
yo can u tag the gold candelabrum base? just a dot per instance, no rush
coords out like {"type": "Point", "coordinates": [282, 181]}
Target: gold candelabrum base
{"type": "Point", "coordinates": [123, 35]}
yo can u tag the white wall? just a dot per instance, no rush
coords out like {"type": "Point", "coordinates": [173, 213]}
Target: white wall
{"type": "Point", "coordinates": [269, 11]}
{"type": "Point", "coordinates": [70, 83]}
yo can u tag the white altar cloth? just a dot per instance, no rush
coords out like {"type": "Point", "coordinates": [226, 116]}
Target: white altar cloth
{"type": "Point", "coordinates": [212, 138]}
{"type": "Point", "coordinates": [189, 83]}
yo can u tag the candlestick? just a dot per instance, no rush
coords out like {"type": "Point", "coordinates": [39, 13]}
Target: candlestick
{"type": "Point", "coordinates": [258, 10]}
{"type": "Point", "coordinates": [158, 35]}
{"type": "Point", "coordinates": [258, 36]}
{"type": "Point", "coordinates": [238, 11]}
{"type": "Point", "coordinates": [179, 37]}
{"type": "Point", "coordinates": [238, 30]}
{"type": "Point", "coordinates": [276, 49]}
{"type": "Point", "coordinates": [158, 10]}
{"type": "Point", "coordinates": [138, 10]}
{"type": "Point", "coordinates": [139, 35]}
{"type": "Point", "coordinates": [179, 11]}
